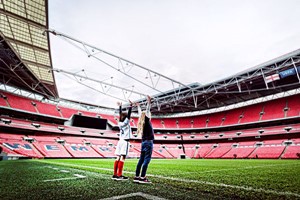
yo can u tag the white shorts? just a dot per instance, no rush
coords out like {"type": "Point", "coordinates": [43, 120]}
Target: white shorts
{"type": "Point", "coordinates": [122, 148]}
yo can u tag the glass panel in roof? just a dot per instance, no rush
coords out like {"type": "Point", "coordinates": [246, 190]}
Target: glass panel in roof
{"type": "Point", "coordinates": [16, 7]}
{"type": "Point", "coordinates": [35, 70]}
{"type": "Point", "coordinates": [41, 72]}
{"type": "Point", "coordinates": [20, 30]}
{"type": "Point", "coordinates": [46, 74]}
{"type": "Point", "coordinates": [4, 26]}
{"type": "Point", "coordinates": [36, 11]}
{"type": "Point", "coordinates": [42, 57]}
{"type": "Point", "coordinates": [24, 32]}
{"type": "Point", "coordinates": [38, 38]}
{"type": "Point", "coordinates": [26, 53]}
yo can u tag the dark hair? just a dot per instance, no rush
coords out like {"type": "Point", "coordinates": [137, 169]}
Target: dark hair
{"type": "Point", "coordinates": [123, 116]}
{"type": "Point", "coordinates": [0, 149]}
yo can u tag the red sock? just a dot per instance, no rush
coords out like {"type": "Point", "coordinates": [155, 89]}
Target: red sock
{"type": "Point", "coordinates": [120, 168]}
{"type": "Point", "coordinates": [116, 167]}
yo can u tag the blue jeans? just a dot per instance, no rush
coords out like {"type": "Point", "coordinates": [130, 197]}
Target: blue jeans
{"type": "Point", "coordinates": [145, 158]}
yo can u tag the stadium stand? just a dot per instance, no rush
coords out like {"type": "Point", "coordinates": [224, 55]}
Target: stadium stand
{"type": "Point", "coordinates": [51, 149]}
{"type": "Point", "coordinates": [48, 109]}
{"type": "Point", "coordinates": [274, 109]}
{"type": "Point", "coordinates": [241, 150]}
{"type": "Point", "coordinates": [161, 151]}
{"type": "Point", "coordinates": [21, 103]}
{"type": "Point", "coordinates": [293, 105]}
{"type": "Point", "coordinates": [170, 123]}
{"type": "Point", "coordinates": [174, 150]}
{"type": "Point", "coordinates": [292, 152]}
{"type": "Point", "coordinates": [202, 150]}
{"type": "Point", "coordinates": [251, 114]}
{"type": "Point", "coordinates": [67, 112]}
{"type": "Point", "coordinates": [85, 142]}
{"type": "Point", "coordinates": [23, 148]}
{"type": "Point", "coordinates": [87, 113]}
{"type": "Point", "coordinates": [184, 122]}
{"type": "Point", "coordinates": [200, 121]}
{"type": "Point", "coordinates": [3, 100]}
{"type": "Point", "coordinates": [190, 150]}
{"type": "Point", "coordinates": [216, 119]}
{"type": "Point", "coordinates": [157, 123]}
{"type": "Point", "coordinates": [219, 150]}
{"type": "Point", "coordinates": [268, 150]}
{"type": "Point", "coordinates": [232, 117]}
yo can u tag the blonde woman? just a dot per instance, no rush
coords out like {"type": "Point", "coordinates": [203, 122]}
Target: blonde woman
{"type": "Point", "coordinates": [146, 132]}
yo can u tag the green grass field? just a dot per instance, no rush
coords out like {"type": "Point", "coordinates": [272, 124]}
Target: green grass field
{"type": "Point", "coordinates": [172, 179]}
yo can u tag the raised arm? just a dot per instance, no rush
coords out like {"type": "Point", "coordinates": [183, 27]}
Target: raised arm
{"type": "Point", "coordinates": [120, 110]}
{"type": "Point", "coordinates": [129, 110]}
{"type": "Point", "coordinates": [139, 108]}
{"type": "Point", "coordinates": [148, 107]}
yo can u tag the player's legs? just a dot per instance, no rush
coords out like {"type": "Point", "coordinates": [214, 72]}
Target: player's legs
{"type": "Point", "coordinates": [121, 165]}
{"type": "Point", "coordinates": [116, 164]}
{"type": "Point", "coordinates": [148, 154]}
{"type": "Point", "coordinates": [140, 163]}
{"type": "Point", "coordinates": [123, 153]}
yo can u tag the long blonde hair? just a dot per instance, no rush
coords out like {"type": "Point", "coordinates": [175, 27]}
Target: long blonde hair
{"type": "Point", "coordinates": [141, 123]}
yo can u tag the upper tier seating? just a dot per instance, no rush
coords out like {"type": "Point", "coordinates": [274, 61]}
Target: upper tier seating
{"type": "Point", "coordinates": [170, 123]}
{"type": "Point", "coordinates": [251, 113]}
{"type": "Point", "coordinates": [2, 101]}
{"type": "Point", "coordinates": [293, 104]}
{"type": "Point", "coordinates": [216, 119]}
{"type": "Point", "coordinates": [157, 123]}
{"type": "Point", "coordinates": [199, 121]}
{"type": "Point", "coordinates": [184, 122]}
{"type": "Point", "coordinates": [20, 103]}
{"type": "Point", "coordinates": [67, 112]}
{"type": "Point", "coordinates": [274, 109]}
{"type": "Point", "coordinates": [232, 117]}
{"type": "Point", "coordinates": [47, 109]}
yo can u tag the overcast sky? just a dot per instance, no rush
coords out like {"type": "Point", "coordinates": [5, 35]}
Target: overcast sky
{"type": "Point", "coordinates": [187, 40]}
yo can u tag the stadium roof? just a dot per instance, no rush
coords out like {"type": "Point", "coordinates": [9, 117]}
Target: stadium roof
{"type": "Point", "coordinates": [25, 60]}
{"type": "Point", "coordinates": [272, 77]}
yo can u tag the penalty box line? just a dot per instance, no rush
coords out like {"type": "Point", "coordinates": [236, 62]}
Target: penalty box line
{"type": "Point", "coordinates": [251, 189]}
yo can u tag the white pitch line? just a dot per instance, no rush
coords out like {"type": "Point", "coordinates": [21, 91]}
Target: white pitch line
{"type": "Point", "coordinates": [64, 171]}
{"type": "Point", "coordinates": [146, 196]}
{"type": "Point", "coordinates": [195, 181]}
{"type": "Point", "coordinates": [238, 168]}
{"type": "Point", "coordinates": [79, 176]}
{"type": "Point", "coordinates": [62, 179]}
{"type": "Point", "coordinates": [230, 186]}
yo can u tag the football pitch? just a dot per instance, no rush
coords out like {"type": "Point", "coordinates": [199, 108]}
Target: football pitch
{"type": "Point", "coordinates": [171, 179]}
